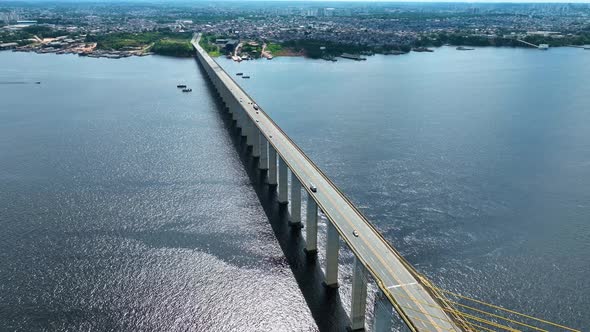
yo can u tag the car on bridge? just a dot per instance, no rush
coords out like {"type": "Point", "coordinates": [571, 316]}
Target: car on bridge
{"type": "Point", "coordinates": [313, 188]}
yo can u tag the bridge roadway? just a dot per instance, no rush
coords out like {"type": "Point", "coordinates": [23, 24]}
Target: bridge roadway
{"type": "Point", "coordinates": [419, 309]}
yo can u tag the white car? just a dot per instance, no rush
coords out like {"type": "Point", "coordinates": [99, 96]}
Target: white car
{"type": "Point", "coordinates": [313, 188]}
{"type": "Point", "coordinates": [255, 106]}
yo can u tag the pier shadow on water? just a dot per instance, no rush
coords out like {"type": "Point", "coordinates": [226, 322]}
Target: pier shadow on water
{"type": "Point", "coordinates": [324, 303]}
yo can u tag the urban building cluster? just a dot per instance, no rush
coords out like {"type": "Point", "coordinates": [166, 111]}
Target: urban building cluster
{"type": "Point", "coordinates": [373, 26]}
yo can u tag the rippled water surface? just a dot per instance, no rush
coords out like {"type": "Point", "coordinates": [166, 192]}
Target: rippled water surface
{"type": "Point", "coordinates": [475, 165]}
{"type": "Point", "coordinates": [124, 205]}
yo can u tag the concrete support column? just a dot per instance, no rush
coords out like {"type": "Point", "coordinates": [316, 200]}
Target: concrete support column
{"type": "Point", "coordinates": [249, 126]}
{"type": "Point", "coordinates": [295, 201]}
{"type": "Point", "coordinates": [232, 103]}
{"type": "Point", "coordinates": [272, 165]}
{"type": "Point", "coordinates": [235, 110]}
{"type": "Point", "coordinates": [311, 226]}
{"type": "Point", "coordinates": [241, 121]}
{"type": "Point", "coordinates": [238, 114]}
{"type": "Point", "coordinates": [383, 313]}
{"type": "Point", "coordinates": [283, 185]}
{"type": "Point", "coordinates": [359, 296]}
{"type": "Point", "coordinates": [223, 93]}
{"type": "Point", "coordinates": [263, 162]}
{"type": "Point", "coordinates": [332, 246]}
{"type": "Point", "coordinates": [256, 140]}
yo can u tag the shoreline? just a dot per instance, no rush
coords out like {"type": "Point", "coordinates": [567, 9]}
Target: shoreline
{"type": "Point", "coordinates": [105, 54]}
{"type": "Point", "coordinates": [98, 54]}
{"type": "Point", "coordinates": [365, 55]}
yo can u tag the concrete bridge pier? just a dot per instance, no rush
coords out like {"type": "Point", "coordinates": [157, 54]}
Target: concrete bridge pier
{"type": "Point", "coordinates": [227, 100]}
{"type": "Point", "coordinates": [240, 120]}
{"type": "Point", "coordinates": [359, 296]}
{"type": "Point", "coordinates": [311, 227]}
{"type": "Point", "coordinates": [230, 105]}
{"type": "Point", "coordinates": [249, 126]}
{"type": "Point", "coordinates": [383, 314]}
{"type": "Point", "coordinates": [263, 161]}
{"type": "Point", "coordinates": [256, 142]}
{"type": "Point", "coordinates": [295, 202]}
{"type": "Point", "coordinates": [332, 246]}
{"type": "Point", "coordinates": [234, 109]}
{"type": "Point", "coordinates": [224, 93]}
{"type": "Point", "coordinates": [283, 185]}
{"type": "Point", "coordinates": [272, 165]}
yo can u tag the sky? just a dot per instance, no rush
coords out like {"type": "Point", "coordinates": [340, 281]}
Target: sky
{"type": "Point", "coordinates": [361, 1]}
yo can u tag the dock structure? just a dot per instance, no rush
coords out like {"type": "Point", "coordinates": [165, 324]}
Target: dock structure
{"type": "Point", "coordinates": [400, 286]}
{"type": "Point", "coordinates": [352, 57]}
{"type": "Point", "coordinates": [540, 46]}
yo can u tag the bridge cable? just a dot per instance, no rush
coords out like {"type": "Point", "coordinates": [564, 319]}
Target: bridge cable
{"type": "Point", "coordinates": [466, 315]}
{"type": "Point", "coordinates": [510, 311]}
{"type": "Point", "coordinates": [500, 317]}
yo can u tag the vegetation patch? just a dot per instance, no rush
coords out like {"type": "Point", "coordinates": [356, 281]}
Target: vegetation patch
{"type": "Point", "coordinates": [274, 48]}
{"type": "Point", "coordinates": [316, 49]}
{"type": "Point", "coordinates": [124, 40]}
{"type": "Point", "coordinates": [173, 47]}
{"type": "Point", "coordinates": [207, 42]}
{"type": "Point", "coordinates": [466, 39]}
{"type": "Point", "coordinates": [23, 35]}
{"type": "Point", "coordinates": [253, 51]}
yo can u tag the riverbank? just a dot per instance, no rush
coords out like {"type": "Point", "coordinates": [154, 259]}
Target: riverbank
{"type": "Point", "coordinates": [240, 50]}
{"type": "Point", "coordinates": [113, 45]}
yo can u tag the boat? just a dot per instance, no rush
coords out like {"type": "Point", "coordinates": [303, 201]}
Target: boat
{"type": "Point", "coordinates": [463, 48]}
{"type": "Point", "coordinates": [187, 90]}
{"type": "Point", "coordinates": [396, 52]}
{"type": "Point", "coordinates": [422, 49]}
{"type": "Point", "coordinates": [355, 57]}
{"type": "Point", "coordinates": [181, 86]}
{"type": "Point", "coordinates": [245, 76]}
{"type": "Point", "coordinates": [37, 82]}
{"type": "Point", "coordinates": [240, 74]}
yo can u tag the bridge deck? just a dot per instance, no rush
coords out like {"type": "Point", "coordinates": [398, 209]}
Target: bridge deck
{"type": "Point", "coordinates": [410, 298]}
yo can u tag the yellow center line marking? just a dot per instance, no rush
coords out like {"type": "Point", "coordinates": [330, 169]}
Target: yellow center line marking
{"type": "Point", "coordinates": [403, 285]}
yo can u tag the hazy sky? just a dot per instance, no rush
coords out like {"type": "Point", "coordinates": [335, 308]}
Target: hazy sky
{"type": "Point", "coordinates": [381, 1]}
{"type": "Point", "coordinates": [365, 1]}
{"type": "Point", "coordinates": [473, 1]}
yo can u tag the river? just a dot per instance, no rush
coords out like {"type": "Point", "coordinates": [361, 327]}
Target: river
{"type": "Point", "coordinates": [475, 165]}
{"type": "Point", "coordinates": [125, 206]}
